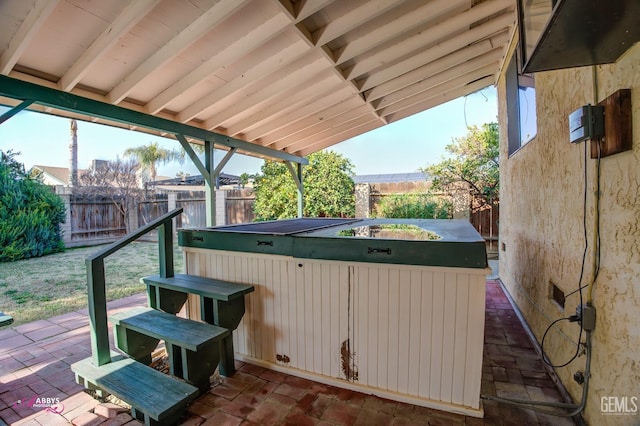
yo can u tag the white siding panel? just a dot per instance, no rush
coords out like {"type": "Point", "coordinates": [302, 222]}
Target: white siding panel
{"type": "Point", "coordinates": [460, 339]}
{"type": "Point", "coordinates": [404, 329]}
{"type": "Point", "coordinates": [415, 331]}
{"type": "Point", "coordinates": [426, 304]}
{"type": "Point", "coordinates": [437, 334]}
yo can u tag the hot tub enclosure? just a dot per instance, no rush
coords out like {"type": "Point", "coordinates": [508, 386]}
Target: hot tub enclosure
{"type": "Point", "coordinates": [336, 303]}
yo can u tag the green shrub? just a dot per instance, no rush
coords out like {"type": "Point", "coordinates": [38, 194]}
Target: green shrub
{"type": "Point", "coordinates": [30, 213]}
{"type": "Point", "coordinates": [414, 206]}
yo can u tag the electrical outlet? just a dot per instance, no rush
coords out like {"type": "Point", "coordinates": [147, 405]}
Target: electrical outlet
{"type": "Point", "coordinates": [587, 315]}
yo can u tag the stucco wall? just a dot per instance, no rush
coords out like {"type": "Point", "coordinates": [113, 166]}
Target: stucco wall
{"type": "Point", "coordinates": [542, 238]}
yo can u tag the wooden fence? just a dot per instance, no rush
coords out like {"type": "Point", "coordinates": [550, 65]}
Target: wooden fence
{"type": "Point", "coordinates": [239, 206]}
{"type": "Point", "coordinates": [94, 218]}
{"type": "Point", "coordinates": [97, 220]}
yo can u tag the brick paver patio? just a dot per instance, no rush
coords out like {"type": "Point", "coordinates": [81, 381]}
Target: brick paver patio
{"type": "Point", "coordinates": [35, 359]}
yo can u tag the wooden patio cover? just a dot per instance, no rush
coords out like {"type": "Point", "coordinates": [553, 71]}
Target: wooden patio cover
{"type": "Point", "coordinates": [290, 77]}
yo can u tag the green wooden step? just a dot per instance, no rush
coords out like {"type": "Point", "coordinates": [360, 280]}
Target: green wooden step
{"type": "Point", "coordinates": [157, 397]}
{"type": "Point", "coordinates": [207, 287]}
{"type": "Point", "coordinates": [5, 319]}
{"type": "Point", "coordinates": [221, 304]}
{"type": "Point", "coordinates": [188, 334]}
{"type": "Point", "coordinates": [194, 348]}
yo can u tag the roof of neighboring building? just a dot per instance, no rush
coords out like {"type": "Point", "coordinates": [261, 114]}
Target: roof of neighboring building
{"type": "Point", "coordinates": [197, 180]}
{"type": "Point", "coordinates": [60, 174]}
{"type": "Point", "coordinates": [390, 178]}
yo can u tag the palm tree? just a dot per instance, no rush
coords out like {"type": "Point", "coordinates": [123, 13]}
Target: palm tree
{"type": "Point", "coordinates": [151, 155]}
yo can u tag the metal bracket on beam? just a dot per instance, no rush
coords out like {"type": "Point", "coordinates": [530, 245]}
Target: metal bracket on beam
{"type": "Point", "coordinates": [13, 111]}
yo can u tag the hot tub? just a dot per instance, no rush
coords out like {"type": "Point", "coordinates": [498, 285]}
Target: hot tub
{"type": "Point", "coordinates": [383, 306]}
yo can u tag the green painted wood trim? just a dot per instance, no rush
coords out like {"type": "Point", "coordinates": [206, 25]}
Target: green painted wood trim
{"type": "Point", "coordinates": [207, 287]}
{"type": "Point", "coordinates": [209, 185]}
{"type": "Point", "coordinates": [118, 244]}
{"type": "Point", "coordinates": [193, 156]}
{"type": "Point", "coordinates": [97, 300]}
{"type": "Point", "coordinates": [236, 241]}
{"type": "Point", "coordinates": [165, 249]}
{"type": "Point", "coordinates": [178, 331]}
{"type": "Point", "coordinates": [97, 290]}
{"type": "Point", "coordinates": [15, 110]}
{"type": "Point", "coordinates": [296, 174]}
{"type": "Point", "coordinates": [147, 390]}
{"type": "Point", "coordinates": [19, 89]}
{"type": "Point", "coordinates": [223, 162]}
{"type": "Point", "coordinates": [5, 319]}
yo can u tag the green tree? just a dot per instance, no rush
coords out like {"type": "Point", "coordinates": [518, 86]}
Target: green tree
{"type": "Point", "coordinates": [474, 163]}
{"type": "Point", "coordinates": [149, 156]}
{"type": "Point", "coordinates": [414, 206]}
{"type": "Point", "coordinates": [328, 188]}
{"type": "Point", "coordinates": [30, 213]}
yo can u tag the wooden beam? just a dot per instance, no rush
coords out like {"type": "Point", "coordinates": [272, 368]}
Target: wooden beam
{"type": "Point", "coordinates": [445, 87]}
{"type": "Point", "coordinates": [15, 110]}
{"type": "Point", "coordinates": [432, 68]}
{"type": "Point", "coordinates": [440, 99]}
{"type": "Point", "coordinates": [306, 8]}
{"type": "Point", "coordinates": [422, 12]}
{"type": "Point", "coordinates": [355, 131]}
{"type": "Point", "coordinates": [288, 101]}
{"type": "Point", "coordinates": [432, 35]}
{"type": "Point", "coordinates": [296, 174]}
{"type": "Point", "coordinates": [193, 156]}
{"type": "Point", "coordinates": [126, 20]}
{"type": "Point", "coordinates": [303, 33]}
{"type": "Point", "coordinates": [334, 95]}
{"type": "Point", "coordinates": [296, 73]}
{"type": "Point", "coordinates": [34, 20]}
{"type": "Point", "coordinates": [241, 42]}
{"type": "Point", "coordinates": [480, 66]}
{"type": "Point", "coordinates": [223, 162]}
{"type": "Point", "coordinates": [351, 19]}
{"type": "Point", "coordinates": [196, 30]}
{"type": "Point", "coordinates": [273, 61]}
{"type": "Point", "coordinates": [209, 185]}
{"type": "Point", "coordinates": [338, 129]}
{"type": "Point", "coordinates": [349, 118]}
{"type": "Point", "coordinates": [485, 31]}
{"type": "Point", "coordinates": [318, 116]}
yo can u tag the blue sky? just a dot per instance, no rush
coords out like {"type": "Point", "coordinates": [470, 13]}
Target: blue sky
{"type": "Point", "coordinates": [401, 147]}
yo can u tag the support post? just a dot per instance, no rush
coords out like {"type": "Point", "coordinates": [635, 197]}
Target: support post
{"type": "Point", "coordinates": [165, 249]}
{"type": "Point", "coordinates": [210, 184]}
{"type": "Point", "coordinates": [300, 191]}
{"type": "Point", "coordinates": [96, 287]}
{"type": "Point", "coordinates": [297, 178]}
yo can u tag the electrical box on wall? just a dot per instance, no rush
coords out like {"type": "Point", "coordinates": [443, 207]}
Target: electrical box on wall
{"type": "Point", "coordinates": [617, 125]}
{"type": "Point", "coordinates": [587, 122]}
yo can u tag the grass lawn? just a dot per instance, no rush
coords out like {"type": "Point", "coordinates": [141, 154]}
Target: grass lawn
{"type": "Point", "coordinates": [47, 286]}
